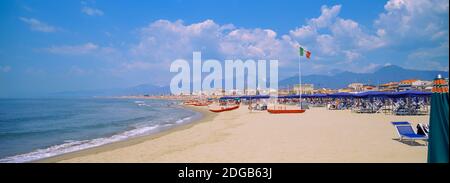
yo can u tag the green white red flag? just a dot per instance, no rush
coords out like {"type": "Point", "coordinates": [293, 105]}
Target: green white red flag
{"type": "Point", "coordinates": [302, 52]}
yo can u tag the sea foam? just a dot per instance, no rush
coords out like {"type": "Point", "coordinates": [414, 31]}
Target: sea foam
{"type": "Point", "coordinates": [74, 145]}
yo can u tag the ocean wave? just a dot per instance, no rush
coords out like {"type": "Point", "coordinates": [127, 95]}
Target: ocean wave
{"type": "Point", "coordinates": [76, 145]}
{"type": "Point", "coordinates": [13, 134]}
{"type": "Point", "coordinates": [183, 120]}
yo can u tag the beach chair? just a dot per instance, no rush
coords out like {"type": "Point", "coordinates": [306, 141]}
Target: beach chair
{"type": "Point", "coordinates": [406, 132]}
{"type": "Point", "coordinates": [422, 129]}
{"type": "Point", "coordinates": [395, 123]}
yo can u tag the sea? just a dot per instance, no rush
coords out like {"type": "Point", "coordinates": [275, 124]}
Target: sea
{"type": "Point", "coordinates": [33, 129]}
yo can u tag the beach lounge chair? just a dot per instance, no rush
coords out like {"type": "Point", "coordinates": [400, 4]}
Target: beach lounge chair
{"type": "Point", "coordinates": [422, 129]}
{"type": "Point", "coordinates": [406, 132]}
{"type": "Point", "coordinates": [400, 123]}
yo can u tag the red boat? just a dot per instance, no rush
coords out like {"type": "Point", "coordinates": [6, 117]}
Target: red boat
{"type": "Point", "coordinates": [189, 103]}
{"type": "Point", "coordinates": [224, 108]}
{"type": "Point", "coordinates": [201, 103]}
{"type": "Point", "coordinates": [284, 111]}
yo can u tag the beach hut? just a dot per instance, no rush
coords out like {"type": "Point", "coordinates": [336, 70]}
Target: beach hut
{"type": "Point", "coordinates": [439, 129]}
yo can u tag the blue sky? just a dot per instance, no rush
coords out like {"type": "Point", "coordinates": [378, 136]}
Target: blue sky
{"type": "Point", "coordinates": [51, 46]}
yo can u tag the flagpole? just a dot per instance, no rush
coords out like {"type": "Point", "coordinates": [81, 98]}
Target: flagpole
{"type": "Point", "coordinates": [300, 80]}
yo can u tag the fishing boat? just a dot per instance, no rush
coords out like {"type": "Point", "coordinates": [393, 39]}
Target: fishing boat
{"type": "Point", "coordinates": [190, 102]}
{"type": "Point", "coordinates": [202, 103]}
{"type": "Point", "coordinates": [224, 108]}
{"type": "Point", "coordinates": [284, 110]}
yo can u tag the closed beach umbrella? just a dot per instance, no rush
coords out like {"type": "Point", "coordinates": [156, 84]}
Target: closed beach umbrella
{"type": "Point", "coordinates": [439, 129]}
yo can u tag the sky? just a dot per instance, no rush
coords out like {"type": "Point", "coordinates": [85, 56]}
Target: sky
{"type": "Point", "coordinates": [52, 46]}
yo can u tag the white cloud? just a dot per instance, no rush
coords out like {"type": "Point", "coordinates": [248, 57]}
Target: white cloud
{"type": "Point", "coordinates": [5, 68]}
{"type": "Point", "coordinates": [137, 65]}
{"type": "Point", "coordinates": [304, 33]}
{"type": "Point", "coordinates": [327, 44]}
{"type": "Point", "coordinates": [253, 44]}
{"type": "Point", "coordinates": [351, 56]}
{"type": "Point", "coordinates": [90, 51]}
{"type": "Point", "coordinates": [334, 39]}
{"type": "Point", "coordinates": [37, 25]}
{"type": "Point", "coordinates": [327, 17]}
{"type": "Point", "coordinates": [350, 33]}
{"type": "Point", "coordinates": [418, 28]}
{"type": "Point", "coordinates": [371, 67]}
{"type": "Point", "coordinates": [91, 11]}
{"type": "Point", "coordinates": [413, 21]}
{"type": "Point", "coordinates": [153, 72]}
{"type": "Point", "coordinates": [430, 58]}
{"type": "Point", "coordinates": [74, 50]}
{"type": "Point", "coordinates": [163, 41]}
{"type": "Point", "coordinates": [106, 53]}
{"type": "Point", "coordinates": [403, 23]}
{"type": "Point", "coordinates": [335, 42]}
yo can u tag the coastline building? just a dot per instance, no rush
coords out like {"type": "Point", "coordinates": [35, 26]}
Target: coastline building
{"type": "Point", "coordinates": [325, 91]}
{"type": "Point", "coordinates": [356, 86]}
{"type": "Point", "coordinates": [305, 88]}
{"type": "Point", "coordinates": [234, 92]}
{"type": "Point", "coordinates": [214, 92]}
{"type": "Point", "coordinates": [369, 88]}
{"type": "Point", "coordinates": [405, 85]}
{"type": "Point", "coordinates": [389, 87]}
{"type": "Point", "coordinates": [250, 92]}
{"type": "Point", "coordinates": [284, 91]}
{"type": "Point", "coordinates": [264, 91]}
{"type": "Point", "coordinates": [422, 85]}
{"type": "Point", "coordinates": [346, 90]}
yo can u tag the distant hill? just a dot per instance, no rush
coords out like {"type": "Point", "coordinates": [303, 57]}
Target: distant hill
{"type": "Point", "coordinates": [338, 80]}
{"type": "Point", "coordinates": [136, 90]}
{"type": "Point", "coordinates": [382, 75]}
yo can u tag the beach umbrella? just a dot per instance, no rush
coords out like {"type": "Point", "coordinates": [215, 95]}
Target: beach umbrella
{"type": "Point", "coordinates": [319, 95]}
{"type": "Point", "coordinates": [439, 129]}
{"type": "Point", "coordinates": [340, 95]}
{"type": "Point", "coordinates": [371, 94]}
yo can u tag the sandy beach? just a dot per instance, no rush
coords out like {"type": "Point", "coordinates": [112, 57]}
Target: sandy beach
{"type": "Point", "coordinates": [318, 135]}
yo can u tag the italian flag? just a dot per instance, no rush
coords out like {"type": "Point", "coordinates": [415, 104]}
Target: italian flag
{"type": "Point", "coordinates": [302, 52]}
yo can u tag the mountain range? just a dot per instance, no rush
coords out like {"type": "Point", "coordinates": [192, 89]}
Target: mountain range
{"type": "Point", "coordinates": [383, 75]}
{"type": "Point", "coordinates": [336, 80]}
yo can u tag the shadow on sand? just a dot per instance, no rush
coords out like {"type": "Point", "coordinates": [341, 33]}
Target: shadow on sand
{"type": "Point", "coordinates": [411, 142]}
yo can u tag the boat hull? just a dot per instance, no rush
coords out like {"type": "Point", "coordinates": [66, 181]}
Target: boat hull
{"type": "Point", "coordinates": [285, 111]}
{"type": "Point", "coordinates": [202, 104]}
{"type": "Point", "coordinates": [189, 103]}
{"type": "Point", "coordinates": [224, 109]}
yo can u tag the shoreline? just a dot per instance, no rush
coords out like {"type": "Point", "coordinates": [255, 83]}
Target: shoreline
{"type": "Point", "coordinates": [205, 116]}
{"type": "Point", "coordinates": [316, 136]}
